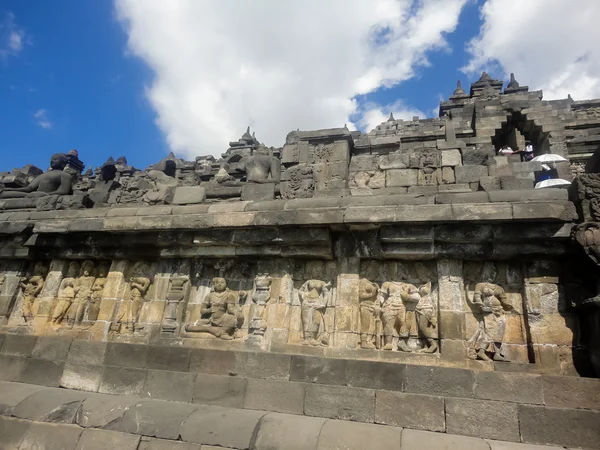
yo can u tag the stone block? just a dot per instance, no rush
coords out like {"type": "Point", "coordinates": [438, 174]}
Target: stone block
{"type": "Point", "coordinates": [509, 387]}
{"type": "Point", "coordinates": [288, 432]}
{"type": "Point", "coordinates": [477, 156]}
{"type": "Point", "coordinates": [490, 183]}
{"type": "Point", "coordinates": [445, 381]}
{"type": "Point", "coordinates": [310, 369]}
{"type": "Point", "coordinates": [529, 195]}
{"type": "Point", "coordinates": [11, 367]}
{"type": "Point", "coordinates": [125, 355]}
{"type": "Point", "coordinates": [337, 434]}
{"type": "Point", "coordinates": [401, 177]}
{"type": "Point", "coordinates": [219, 390]}
{"type": "Point", "coordinates": [51, 348]}
{"type": "Point", "coordinates": [12, 432]}
{"type": "Point", "coordinates": [83, 377]}
{"type": "Point", "coordinates": [189, 195]}
{"type": "Point", "coordinates": [424, 440]}
{"type": "Point", "coordinates": [18, 345]}
{"type": "Point", "coordinates": [153, 418]}
{"type": "Point", "coordinates": [92, 439]}
{"type": "Point", "coordinates": [512, 183]}
{"type": "Point", "coordinates": [258, 192]}
{"type": "Point", "coordinates": [462, 187]}
{"type": "Point", "coordinates": [122, 381]}
{"type": "Point", "coordinates": [168, 358]}
{"type": "Point", "coordinates": [556, 210]}
{"type": "Point", "coordinates": [224, 427]}
{"type": "Point", "coordinates": [482, 211]}
{"type": "Point", "coordinates": [501, 422]}
{"type": "Point", "coordinates": [571, 392]}
{"type": "Point", "coordinates": [470, 173]}
{"type": "Point", "coordinates": [555, 426]}
{"type": "Point", "coordinates": [504, 170]}
{"type": "Point", "coordinates": [375, 375]}
{"type": "Point", "coordinates": [51, 436]}
{"type": "Point", "coordinates": [172, 386]}
{"type": "Point", "coordinates": [87, 352]}
{"type": "Point", "coordinates": [274, 366]}
{"type": "Point", "coordinates": [448, 175]}
{"type": "Point", "coordinates": [275, 395]}
{"type": "Point", "coordinates": [164, 444]}
{"type": "Point", "coordinates": [451, 158]}
{"type": "Point", "coordinates": [461, 197]}
{"type": "Point", "coordinates": [451, 324]}
{"type": "Point", "coordinates": [503, 445]}
{"type": "Point", "coordinates": [421, 412]}
{"type": "Point", "coordinates": [13, 394]}
{"type": "Point", "coordinates": [364, 163]}
{"type": "Point", "coordinates": [395, 160]}
{"type": "Point", "coordinates": [338, 402]}
{"type": "Point", "coordinates": [51, 405]}
{"type": "Point", "coordinates": [42, 372]}
{"type": "Point", "coordinates": [97, 411]}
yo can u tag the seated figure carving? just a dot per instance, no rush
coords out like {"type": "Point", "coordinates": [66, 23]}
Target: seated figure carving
{"type": "Point", "coordinates": [220, 313]}
{"type": "Point", "coordinates": [261, 167]}
{"type": "Point", "coordinates": [53, 182]}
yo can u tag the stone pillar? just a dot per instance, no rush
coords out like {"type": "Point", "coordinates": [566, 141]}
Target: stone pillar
{"type": "Point", "coordinates": [453, 310]}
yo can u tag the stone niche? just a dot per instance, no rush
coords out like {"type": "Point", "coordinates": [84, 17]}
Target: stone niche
{"type": "Point", "coordinates": [461, 312]}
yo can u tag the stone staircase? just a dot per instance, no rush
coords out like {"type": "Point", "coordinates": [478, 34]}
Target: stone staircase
{"type": "Point", "coordinates": [215, 397]}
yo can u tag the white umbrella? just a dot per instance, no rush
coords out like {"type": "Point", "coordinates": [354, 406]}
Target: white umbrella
{"type": "Point", "coordinates": [552, 183]}
{"type": "Point", "coordinates": [549, 158]}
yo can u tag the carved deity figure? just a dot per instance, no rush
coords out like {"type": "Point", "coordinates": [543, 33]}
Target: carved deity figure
{"type": "Point", "coordinates": [97, 294]}
{"type": "Point", "coordinates": [314, 296]}
{"type": "Point", "coordinates": [221, 315]}
{"type": "Point", "coordinates": [31, 288]}
{"type": "Point", "coordinates": [426, 320]}
{"type": "Point", "coordinates": [66, 294]}
{"type": "Point", "coordinates": [392, 297]}
{"type": "Point", "coordinates": [489, 301]}
{"type": "Point", "coordinates": [53, 182]}
{"type": "Point", "coordinates": [261, 167]}
{"type": "Point", "coordinates": [370, 312]}
{"type": "Point", "coordinates": [138, 287]}
{"type": "Point", "coordinates": [83, 293]}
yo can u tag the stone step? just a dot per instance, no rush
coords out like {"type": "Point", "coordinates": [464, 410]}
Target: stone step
{"type": "Point", "coordinates": [516, 406]}
{"type": "Point", "coordinates": [50, 418]}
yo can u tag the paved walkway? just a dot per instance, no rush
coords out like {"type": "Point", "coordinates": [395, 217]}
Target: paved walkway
{"type": "Point", "coordinates": [38, 417]}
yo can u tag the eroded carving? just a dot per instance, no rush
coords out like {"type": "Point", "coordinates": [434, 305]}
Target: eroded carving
{"type": "Point", "coordinates": [83, 294]}
{"type": "Point", "coordinates": [262, 294]}
{"type": "Point", "coordinates": [175, 295]}
{"type": "Point", "coordinates": [221, 315]}
{"type": "Point", "coordinates": [426, 319]}
{"type": "Point", "coordinates": [66, 294]}
{"type": "Point", "coordinates": [129, 314]}
{"type": "Point", "coordinates": [97, 294]}
{"type": "Point", "coordinates": [31, 288]}
{"type": "Point", "coordinates": [370, 310]}
{"type": "Point", "coordinates": [314, 298]}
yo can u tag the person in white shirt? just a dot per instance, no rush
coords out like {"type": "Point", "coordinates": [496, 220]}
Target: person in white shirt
{"type": "Point", "coordinates": [528, 152]}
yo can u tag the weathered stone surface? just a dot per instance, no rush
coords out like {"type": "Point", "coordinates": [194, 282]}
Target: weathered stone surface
{"type": "Point", "coordinates": [11, 367]}
{"type": "Point", "coordinates": [92, 439]}
{"type": "Point", "coordinates": [225, 427]}
{"type": "Point", "coordinates": [289, 432]}
{"type": "Point", "coordinates": [565, 427]}
{"type": "Point", "coordinates": [43, 372]}
{"type": "Point", "coordinates": [219, 390]}
{"type": "Point", "coordinates": [477, 156]}
{"type": "Point", "coordinates": [215, 362]}
{"type": "Point", "coordinates": [189, 195]}
{"type": "Point", "coordinates": [83, 377]}
{"type": "Point", "coordinates": [97, 411]}
{"type": "Point", "coordinates": [87, 352]}
{"type": "Point", "coordinates": [164, 444]}
{"type": "Point", "coordinates": [470, 173]}
{"type": "Point", "coordinates": [275, 395]}
{"type": "Point", "coordinates": [272, 366]}
{"type": "Point", "coordinates": [12, 432]}
{"type": "Point", "coordinates": [13, 394]}
{"type": "Point", "coordinates": [337, 402]}
{"type": "Point", "coordinates": [464, 416]}
{"type": "Point", "coordinates": [318, 370]}
{"type": "Point", "coordinates": [374, 375]}
{"type": "Point", "coordinates": [502, 445]}
{"type": "Point", "coordinates": [509, 387]}
{"type": "Point", "coordinates": [125, 355]}
{"type": "Point", "coordinates": [440, 381]}
{"type": "Point", "coordinates": [46, 436]}
{"type": "Point", "coordinates": [51, 348]}
{"type": "Point", "coordinates": [18, 345]}
{"type": "Point", "coordinates": [50, 405]}
{"type": "Point", "coordinates": [168, 358]}
{"type": "Point", "coordinates": [571, 392]}
{"type": "Point", "coordinates": [451, 158]}
{"type": "Point", "coordinates": [401, 177]}
{"type": "Point", "coordinates": [167, 385]}
{"type": "Point", "coordinates": [122, 381]}
{"type": "Point", "coordinates": [419, 440]}
{"type": "Point", "coordinates": [337, 434]}
{"type": "Point", "coordinates": [421, 412]}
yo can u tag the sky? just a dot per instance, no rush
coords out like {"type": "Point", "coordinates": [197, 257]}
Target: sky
{"type": "Point", "coordinates": [142, 78]}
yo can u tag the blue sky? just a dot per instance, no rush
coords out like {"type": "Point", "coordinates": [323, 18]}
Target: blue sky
{"type": "Point", "coordinates": [98, 76]}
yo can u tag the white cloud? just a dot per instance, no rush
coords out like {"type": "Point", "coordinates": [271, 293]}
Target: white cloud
{"type": "Point", "coordinates": [548, 44]}
{"type": "Point", "coordinates": [41, 117]}
{"type": "Point", "coordinates": [276, 65]}
{"type": "Point", "coordinates": [374, 114]}
{"type": "Point", "coordinates": [11, 37]}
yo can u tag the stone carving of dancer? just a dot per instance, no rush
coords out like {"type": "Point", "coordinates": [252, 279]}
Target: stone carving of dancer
{"type": "Point", "coordinates": [314, 296]}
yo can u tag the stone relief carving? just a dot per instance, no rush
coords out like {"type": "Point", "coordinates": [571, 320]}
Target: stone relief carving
{"type": "Point", "coordinates": [83, 294]}
{"type": "Point", "coordinates": [587, 113]}
{"type": "Point", "coordinates": [489, 305]}
{"type": "Point", "coordinates": [97, 294]}
{"type": "Point", "coordinates": [31, 288]}
{"type": "Point", "coordinates": [314, 296]}
{"type": "Point", "coordinates": [129, 313]}
{"type": "Point", "coordinates": [175, 295]}
{"type": "Point", "coordinates": [66, 295]}
{"type": "Point", "coordinates": [426, 319]}
{"type": "Point", "coordinates": [370, 310]}
{"type": "Point", "coordinates": [221, 315]}
{"type": "Point", "coordinates": [300, 184]}
{"type": "Point", "coordinates": [262, 294]}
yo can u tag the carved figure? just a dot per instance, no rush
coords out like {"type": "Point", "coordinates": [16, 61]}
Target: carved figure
{"type": "Point", "coordinates": [262, 294]}
{"type": "Point", "coordinates": [489, 301]}
{"type": "Point", "coordinates": [370, 312]}
{"type": "Point", "coordinates": [53, 182]}
{"type": "Point", "coordinates": [221, 315]}
{"type": "Point", "coordinates": [261, 167]}
{"type": "Point", "coordinates": [314, 296]}
{"type": "Point", "coordinates": [426, 321]}
{"type": "Point", "coordinates": [392, 296]}
{"type": "Point", "coordinates": [31, 288]}
{"type": "Point", "coordinates": [83, 293]}
{"type": "Point", "coordinates": [97, 294]}
{"type": "Point", "coordinates": [66, 294]}
{"type": "Point", "coordinates": [130, 309]}
{"type": "Point", "coordinates": [175, 295]}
